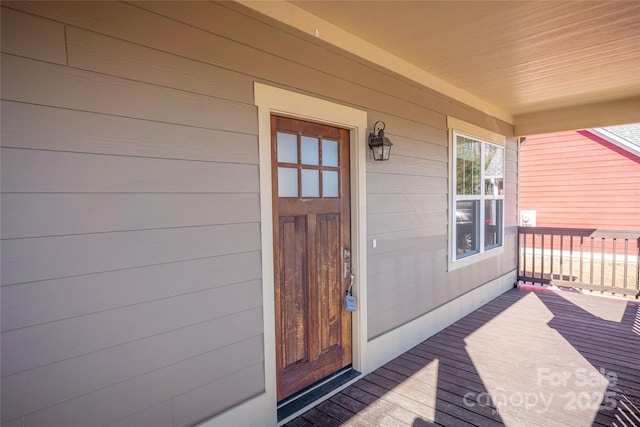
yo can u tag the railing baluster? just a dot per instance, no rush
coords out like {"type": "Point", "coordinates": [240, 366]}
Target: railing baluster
{"type": "Point", "coordinates": [602, 241]}
{"type": "Point", "coordinates": [581, 257]}
{"type": "Point", "coordinates": [524, 254]}
{"type": "Point", "coordinates": [561, 257]}
{"type": "Point", "coordinates": [571, 258]}
{"type": "Point", "coordinates": [626, 261]}
{"type": "Point", "coordinates": [613, 273]}
{"type": "Point", "coordinates": [533, 258]}
{"type": "Point", "coordinates": [591, 265]}
{"type": "Point", "coordinates": [542, 257]}
{"type": "Point", "coordinates": [551, 269]}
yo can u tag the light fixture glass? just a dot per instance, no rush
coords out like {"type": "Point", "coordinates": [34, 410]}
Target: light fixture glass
{"type": "Point", "coordinates": [380, 145]}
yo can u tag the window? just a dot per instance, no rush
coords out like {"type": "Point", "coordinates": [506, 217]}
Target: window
{"type": "Point", "coordinates": [299, 156]}
{"type": "Point", "coordinates": [478, 207]}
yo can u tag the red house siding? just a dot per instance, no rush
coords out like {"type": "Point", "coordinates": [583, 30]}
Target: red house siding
{"type": "Point", "coordinates": [576, 179]}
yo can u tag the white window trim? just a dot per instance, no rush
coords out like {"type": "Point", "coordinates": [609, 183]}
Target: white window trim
{"type": "Point", "coordinates": [459, 127]}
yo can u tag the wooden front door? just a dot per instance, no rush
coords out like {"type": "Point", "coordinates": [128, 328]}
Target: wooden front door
{"type": "Point", "coordinates": [311, 223]}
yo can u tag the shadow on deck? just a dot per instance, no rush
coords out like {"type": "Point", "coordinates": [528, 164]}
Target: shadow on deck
{"type": "Point", "coordinates": [528, 358]}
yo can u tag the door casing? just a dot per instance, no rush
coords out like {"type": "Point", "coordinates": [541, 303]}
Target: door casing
{"type": "Point", "coordinates": [272, 100]}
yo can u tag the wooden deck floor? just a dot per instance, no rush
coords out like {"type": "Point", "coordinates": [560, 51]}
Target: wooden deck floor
{"type": "Point", "coordinates": [528, 358]}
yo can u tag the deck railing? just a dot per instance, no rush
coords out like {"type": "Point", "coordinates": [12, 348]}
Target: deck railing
{"type": "Point", "coordinates": [591, 259]}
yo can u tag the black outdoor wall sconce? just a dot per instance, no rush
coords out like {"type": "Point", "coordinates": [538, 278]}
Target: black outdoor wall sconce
{"type": "Point", "coordinates": [379, 144]}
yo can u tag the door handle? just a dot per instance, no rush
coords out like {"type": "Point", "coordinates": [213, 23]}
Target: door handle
{"type": "Point", "coordinates": [346, 257]}
{"type": "Point", "coordinates": [351, 280]}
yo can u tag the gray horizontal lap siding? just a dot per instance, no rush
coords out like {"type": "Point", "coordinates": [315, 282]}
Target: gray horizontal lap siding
{"type": "Point", "coordinates": [131, 288]}
{"type": "Point", "coordinates": [130, 224]}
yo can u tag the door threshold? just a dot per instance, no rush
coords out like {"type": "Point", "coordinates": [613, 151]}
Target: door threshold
{"type": "Point", "coordinates": [314, 392]}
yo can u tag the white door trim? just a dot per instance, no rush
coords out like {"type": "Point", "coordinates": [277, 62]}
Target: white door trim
{"type": "Point", "coordinates": [261, 410]}
{"type": "Point", "coordinates": [273, 100]}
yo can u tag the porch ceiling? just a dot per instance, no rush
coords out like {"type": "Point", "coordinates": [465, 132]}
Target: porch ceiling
{"type": "Point", "coordinates": [543, 66]}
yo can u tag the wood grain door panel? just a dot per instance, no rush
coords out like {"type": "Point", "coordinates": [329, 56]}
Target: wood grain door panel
{"type": "Point", "coordinates": [313, 330]}
{"type": "Point", "coordinates": [293, 291]}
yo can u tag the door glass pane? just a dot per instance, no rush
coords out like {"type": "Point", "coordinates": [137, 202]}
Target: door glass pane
{"type": "Point", "coordinates": [310, 183]}
{"type": "Point", "coordinates": [287, 182]}
{"type": "Point", "coordinates": [493, 223]}
{"type": "Point", "coordinates": [330, 153]}
{"type": "Point", "coordinates": [287, 148]}
{"type": "Point", "coordinates": [330, 184]}
{"type": "Point", "coordinates": [493, 170]}
{"type": "Point", "coordinates": [467, 166]}
{"type": "Point", "coordinates": [467, 226]}
{"type": "Point", "coordinates": [310, 155]}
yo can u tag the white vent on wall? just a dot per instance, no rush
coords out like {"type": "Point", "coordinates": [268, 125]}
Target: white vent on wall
{"type": "Point", "coordinates": [528, 218]}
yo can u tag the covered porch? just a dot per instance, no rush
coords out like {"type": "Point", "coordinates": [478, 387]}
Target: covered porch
{"type": "Point", "coordinates": [532, 356]}
{"type": "Point", "coordinates": [138, 260]}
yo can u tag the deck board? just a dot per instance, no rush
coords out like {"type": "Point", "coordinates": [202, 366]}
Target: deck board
{"type": "Point", "coordinates": [486, 369]}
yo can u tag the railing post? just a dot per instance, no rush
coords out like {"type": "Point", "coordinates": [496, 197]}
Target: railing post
{"type": "Point", "coordinates": [518, 254]}
{"type": "Point", "coordinates": [638, 269]}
